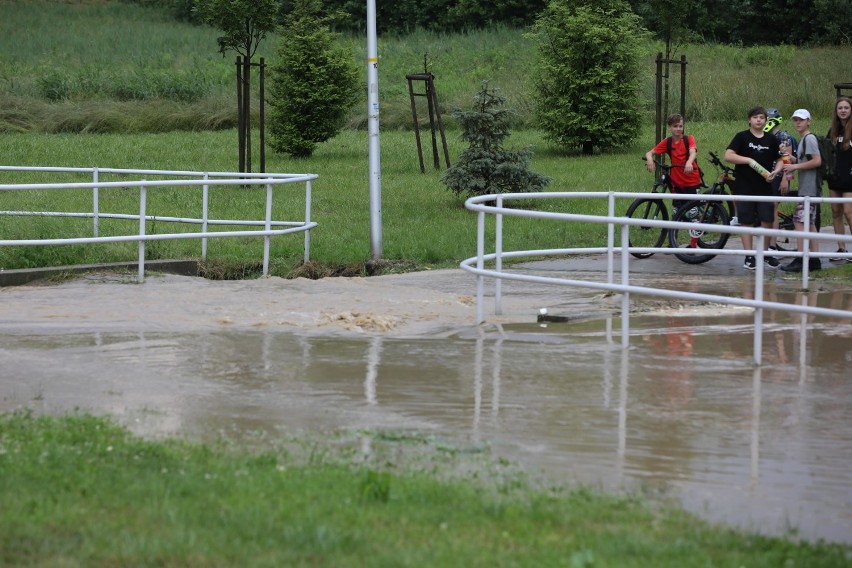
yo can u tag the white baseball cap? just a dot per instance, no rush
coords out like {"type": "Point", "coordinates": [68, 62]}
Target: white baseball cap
{"type": "Point", "coordinates": [802, 113]}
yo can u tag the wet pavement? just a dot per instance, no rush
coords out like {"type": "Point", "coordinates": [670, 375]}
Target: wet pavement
{"type": "Point", "coordinates": [681, 414]}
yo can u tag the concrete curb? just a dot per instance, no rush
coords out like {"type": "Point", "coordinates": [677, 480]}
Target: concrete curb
{"type": "Point", "coordinates": [18, 277]}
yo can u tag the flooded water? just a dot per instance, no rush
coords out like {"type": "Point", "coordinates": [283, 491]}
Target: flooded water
{"type": "Point", "coordinates": [682, 413]}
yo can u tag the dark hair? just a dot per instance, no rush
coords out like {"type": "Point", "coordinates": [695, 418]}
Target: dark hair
{"type": "Point", "coordinates": [674, 119]}
{"type": "Point", "coordinates": [755, 110]}
{"type": "Point", "coordinates": [838, 128]}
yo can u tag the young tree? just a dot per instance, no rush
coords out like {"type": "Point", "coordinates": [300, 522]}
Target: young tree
{"type": "Point", "coordinates": [314, 84]}
{"type": "Point", "coordinates": [485, 167]}
{"type": "Point", "coordinates": [667, 20]}
{"type": "Point", "coordinates": [587, 78]}
{"type": "Point", "coordinates": [245, 23]}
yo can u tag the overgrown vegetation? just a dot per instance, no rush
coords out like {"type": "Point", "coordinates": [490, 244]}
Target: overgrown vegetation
{"type": "Point", "coordinates": [822, 22]}
{"type": "Point", "coordinates": [82, 491]}
{"type": "Point", "coordinates": [115, 47]}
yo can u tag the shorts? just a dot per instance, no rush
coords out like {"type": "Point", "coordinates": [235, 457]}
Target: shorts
{"type": "Point", "coordinates": [754, 213]}
{"type": "Point", "coordinates": [799, 214]}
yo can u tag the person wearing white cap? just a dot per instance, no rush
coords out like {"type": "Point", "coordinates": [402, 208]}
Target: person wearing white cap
{"type": "Point", "coordinates": [807, 160]}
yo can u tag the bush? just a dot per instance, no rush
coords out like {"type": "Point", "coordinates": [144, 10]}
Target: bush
{"type": "Point", "coordinates": [587, 79]}
{"type": "Point", "coordinates": [485, 167]}
{"type": "Point", "coordinates": [313, 85]}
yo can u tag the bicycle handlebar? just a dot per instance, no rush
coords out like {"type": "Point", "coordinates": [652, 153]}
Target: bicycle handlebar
{"type": "Point", "coordinates": [660, 164]}
{"type": "Point", "coordinates": [714, 159]}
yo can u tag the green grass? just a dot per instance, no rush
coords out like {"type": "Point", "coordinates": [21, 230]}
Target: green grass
{"type": "Point", "coordinates": [82, 491]}
{"type": "Point", "coordinates": [107, 66]}
{"type": "Point", "coordinates": [423, 224]}
{"type": "Point", "coordinates": [100, 49]}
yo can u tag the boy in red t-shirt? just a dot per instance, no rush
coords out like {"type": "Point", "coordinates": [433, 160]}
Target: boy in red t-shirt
{"type": "Point", "coordinates": [685, 175]}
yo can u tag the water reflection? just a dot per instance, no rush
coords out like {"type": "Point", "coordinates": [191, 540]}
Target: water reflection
{"type": "Point", "coordinates": [682, 412]}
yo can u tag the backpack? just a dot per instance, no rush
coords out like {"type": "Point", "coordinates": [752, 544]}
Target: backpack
{"type": "Point", "coordinates": [828, 153]}
{"type": "Point", "coordinates": [686, 147]}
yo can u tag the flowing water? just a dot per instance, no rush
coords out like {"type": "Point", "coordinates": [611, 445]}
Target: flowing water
{"type": "Point", "coordinates": [681, 413]}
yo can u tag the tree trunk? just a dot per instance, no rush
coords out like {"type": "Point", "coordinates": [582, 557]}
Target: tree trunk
{"type": "Point", "coordinates": [247, 110]}
{"type": "Point", "coordinates": [667, 68]}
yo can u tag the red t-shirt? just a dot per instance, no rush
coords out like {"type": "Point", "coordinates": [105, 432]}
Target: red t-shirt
{"type": "Point", "coordinates": [680, 180]}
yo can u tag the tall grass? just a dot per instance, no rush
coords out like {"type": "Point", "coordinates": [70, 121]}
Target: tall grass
{"type": "Point", "coordinates": [88, 59]}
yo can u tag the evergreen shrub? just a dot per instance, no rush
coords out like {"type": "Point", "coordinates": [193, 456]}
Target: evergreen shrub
{"type": "Point", "coordinates": [485, 167]}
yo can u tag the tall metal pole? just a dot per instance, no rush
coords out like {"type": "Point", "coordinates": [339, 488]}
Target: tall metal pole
{"type": "Point", "coordinates": [373, 129]}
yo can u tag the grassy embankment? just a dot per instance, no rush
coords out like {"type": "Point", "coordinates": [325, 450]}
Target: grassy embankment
{"type": "Point", "coordinates": [80, 491]}
{"type": "Point", "coordinates": [135, 76]}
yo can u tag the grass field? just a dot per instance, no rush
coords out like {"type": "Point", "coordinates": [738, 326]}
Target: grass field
{"type": "Point", "coordinates": [81, 491]}
{"type": "Point", "coordinates": [107, 66]}
{"type": "Point", "coordinates": [423, 224]}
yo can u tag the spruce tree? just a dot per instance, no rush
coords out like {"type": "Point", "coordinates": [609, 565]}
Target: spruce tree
{"type": "Point", "coordinates": [485, 167]}
{"type": "Point", "coordinates": [313, 85]}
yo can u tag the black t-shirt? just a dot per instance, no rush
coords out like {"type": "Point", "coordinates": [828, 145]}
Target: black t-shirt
{"type": "Point", "coordinates": [843, 174]}
{"type": "Point", "coordinates": [763, 150]}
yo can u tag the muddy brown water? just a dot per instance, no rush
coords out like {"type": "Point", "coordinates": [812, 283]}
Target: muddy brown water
{"type": "Point", "coordinates": [682, 413]}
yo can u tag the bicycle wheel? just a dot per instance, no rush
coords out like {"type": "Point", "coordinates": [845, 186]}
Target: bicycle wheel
{"type": "Point", "coordinates": [653, 237]}
{"type": "Point", "coordinates": [707, 212]}
{"type": "Point", "coordinates": [724, 189]}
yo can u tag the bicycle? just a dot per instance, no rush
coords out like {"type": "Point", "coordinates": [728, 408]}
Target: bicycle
{"type": "Point", "coordinates": [724, 183]}
{"type": "Point", "coordinates": [706, 212]}
{"type": "Point", "coordinates": [654, 209]}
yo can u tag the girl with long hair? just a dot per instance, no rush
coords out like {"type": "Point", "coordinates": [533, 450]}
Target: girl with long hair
{"type": "Point", "coordinates": [840, 135]}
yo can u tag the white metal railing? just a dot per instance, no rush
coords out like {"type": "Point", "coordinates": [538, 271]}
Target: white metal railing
{"type": "Point", "coordinates": [494, 205]}
{"type": "Point", "coordinates": [204, 180]}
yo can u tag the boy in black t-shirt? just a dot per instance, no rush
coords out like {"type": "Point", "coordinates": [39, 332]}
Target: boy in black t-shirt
{"type": "Point", "coordinates": [752, 151]}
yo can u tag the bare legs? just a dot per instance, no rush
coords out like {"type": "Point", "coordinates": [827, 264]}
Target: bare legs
{"type": "Point", "coordinates": [838, 212]}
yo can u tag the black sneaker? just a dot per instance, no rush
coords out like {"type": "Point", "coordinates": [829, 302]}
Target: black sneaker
{"type": "Point", "coordinates": [814, 264]}
{"type": "Point", "coordinates": [794, 265]}
{"type": "Point", "coordinates": [839, 258]}
{"type": "Point", "coordinates": [771, 261]}
{"type": "Point", "coordinates": [778, 248]}
{"type": "Point", "coordinates": [750, 263]}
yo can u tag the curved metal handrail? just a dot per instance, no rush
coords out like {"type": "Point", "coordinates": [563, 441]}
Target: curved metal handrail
{"type": "Point", "coordinates": [495, 205]}
{"type": "Point", "coordinates": [205, 180]}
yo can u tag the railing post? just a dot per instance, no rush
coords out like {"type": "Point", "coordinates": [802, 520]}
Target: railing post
{"type": "Point", "coordinates": [267, 226]}
{"type": "Point", "coordinates": [308, 193]}
{"type": "Point", "coordinates": [498, 249]}
{"type": "Point", "coordinates": [625, 281]}
{"type": "Point", "coordinates": [142, 206]}
{"type": "Point", "coordinates": [806, 243]}
{"type": "Point", "coordinates": [758, 296]}
{"type": "Point", "coordinates": [95, 205]}
{"type": "Point", "coordinates": [205, 203]}
{"type": "Point", "coordinates": [480, 264]}
{"type": "Point", "coordinates": [610, 238]}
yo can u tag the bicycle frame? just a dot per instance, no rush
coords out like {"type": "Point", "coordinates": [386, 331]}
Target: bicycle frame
{"type": "Point", "coordinates": [688, 208]}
